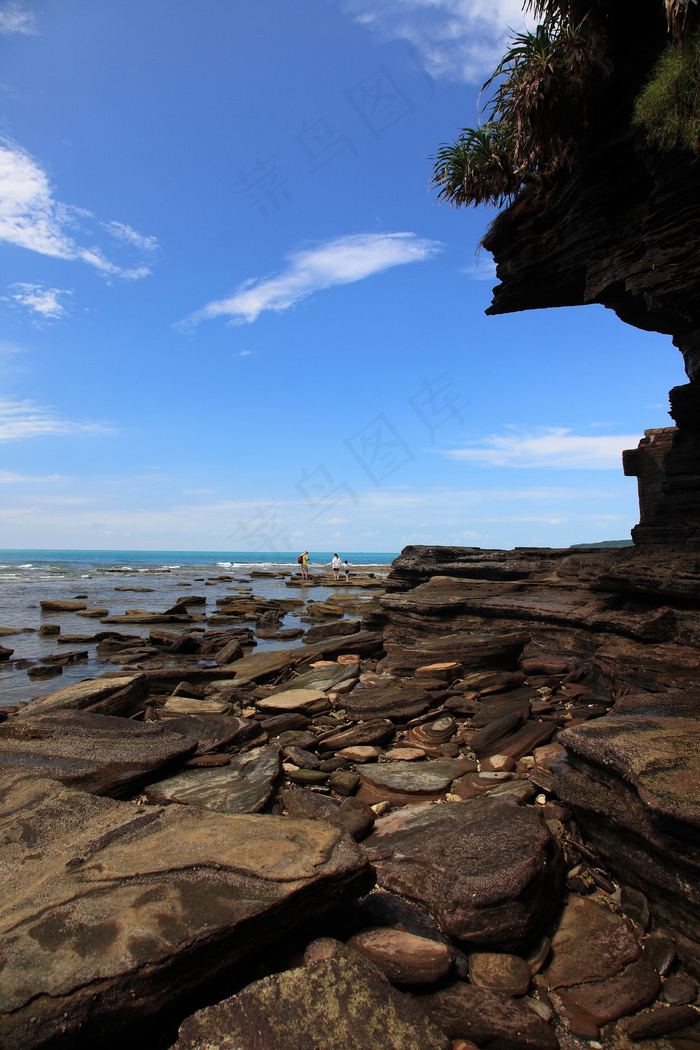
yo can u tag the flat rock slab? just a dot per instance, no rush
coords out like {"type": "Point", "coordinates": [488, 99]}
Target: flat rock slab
{"type": "Point", "coordinates": [97, 753]}
{"type": "Point", "coordinates": [304, 700]}
{"type": "Point", "coordinates": [591, 943]}
{"type": "Point", "coordinates": [331, 630]}
{"type": "Point", "coordinates": [496, 652]}
{"type": "Point", "coordinates": [376, 731]}
{"type": "Point", "coordinates": [62, 606]}
{"type": "Point", "coordinates": [111, 696]}
{"type": "Point", "coordinates": [259, 666]}
{"type": "Point", "coordinates": [243, 786]}
{"type": "Point", "coordinates": [659, 757]}
{"type": "Point", "coordinates": [212, 732]}
{"type": "Point", "coordinates": [408, 781]}
{"type": "Point", "coordinates": [342, 1002]}
{"type": "Point", "coordinates": [398, 700]}
{"type": "Point", "coordinates": [105, 903]}
{"type": "Point", "coordinates": [487, 869]}
{"type": "Point", "coordinates": [322, 678]}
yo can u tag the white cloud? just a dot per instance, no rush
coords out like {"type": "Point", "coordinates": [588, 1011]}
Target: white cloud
{"type": "Point", "coordinates": [23, 419]}
{"type": "Point", "coordinates": [456, 39]}
{"type": "Point", "coordinates": [340, 261]}
{"type": "Point", "coordinates": [547, 447]}
{"type": "Point", "coordinates": [122, 232]}
{"type": "Point", "coordinates": [14, 18]}
{"type": "Point", "coordinates": [31, 218]}
{"type": "Point", "coordinates": [480, 271]}
{"type": "Point", "coordinates": [8, 478]}
{"type": "Point", "coordinates": [40, 300]}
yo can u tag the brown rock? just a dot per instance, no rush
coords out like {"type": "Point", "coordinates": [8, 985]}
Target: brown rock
{"type": "Point", "coordinates": [97, 753]}
{"type": "Point", "coordinates": [403, 957]}
{"type": "Point", "coordinates": [484, 1017]}
{"type": "Point", "coordinates": [499, 972]}
{"type": "Point", "coordinates": [342, 1002]}
{"type": "Point", "coordinates": [592, 943]}
{"type": "Point", "coordinates": [105, 903]}
{"type": "Point", "coordinates": [487, 870]}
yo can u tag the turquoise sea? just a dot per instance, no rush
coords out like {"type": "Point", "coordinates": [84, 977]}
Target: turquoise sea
{"type": "Point", "coordinates": [119, 581]}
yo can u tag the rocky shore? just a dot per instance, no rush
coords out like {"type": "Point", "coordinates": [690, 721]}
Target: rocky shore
{"type": "Point", "coordinates": [462, 811]}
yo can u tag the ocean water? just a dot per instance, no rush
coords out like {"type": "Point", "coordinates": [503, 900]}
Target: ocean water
{"type": "Point", "coordinates": [29, 576]}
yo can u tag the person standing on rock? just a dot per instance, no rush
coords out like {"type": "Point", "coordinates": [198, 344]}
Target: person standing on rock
{"type": "Point", "coordinates": [336, 565]}
{"type": "Point", "coordinates": [346, 570]}
{"type": "Point", "coordinates": [305, 565]}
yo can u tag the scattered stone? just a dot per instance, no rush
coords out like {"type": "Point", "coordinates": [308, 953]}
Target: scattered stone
{"type": "Point", "coordinates": [500, 972]}
{"type": "Point", "coordinates": [54, 605]}
{"type": "Point", "coordinates": [403, 957]}
{"type": "Point", "coordinates": [181, 706]}
{"type": "Point", "coordinates": [114, 696]}
{"type": "Point", "coordinates": [409, 782]}
{"type": "Point", "coordinates": [373, 732]}
{"type": "Point", "coordinates": [357, 817]}
{"type": "Point", "coordinates": [48, 629]}
{"type": "Point", "coordinates": [343, 781]}
{"type": "Point", "coordinates": [304, 700]}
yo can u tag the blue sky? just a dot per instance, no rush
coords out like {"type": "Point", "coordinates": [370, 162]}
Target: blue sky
{"type": "Point", "coordinates": [233, 316]}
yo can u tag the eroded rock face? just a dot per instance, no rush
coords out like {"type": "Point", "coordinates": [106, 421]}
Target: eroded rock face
{"type": "Point", "coordinates": [112, 912]}
{"type": "Point", "coordinates": [487, 869]}
{"type": "Point", "coordinates": [634, 783]}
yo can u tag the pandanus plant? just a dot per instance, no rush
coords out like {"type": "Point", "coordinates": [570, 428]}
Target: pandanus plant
{"type": "Point", "coordinates": [543, 94]}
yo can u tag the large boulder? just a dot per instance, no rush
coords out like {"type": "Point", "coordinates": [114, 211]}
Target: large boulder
{"type": "Point", "coordinates": [114, 913]}
{"type": "Point", "coordinates": [487, 869]}
{"type": "Point", "coordinates": [342, 1002]}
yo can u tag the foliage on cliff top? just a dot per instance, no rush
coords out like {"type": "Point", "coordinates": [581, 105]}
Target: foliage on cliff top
{"type": "Point", "coordinates": [546, 90]}
{"type": "Point", "coordinates": [668, 109]}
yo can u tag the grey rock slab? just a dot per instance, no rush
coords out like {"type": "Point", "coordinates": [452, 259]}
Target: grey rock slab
{"type": "Point", "coordinates": [97, 753]}
{"type": "Point", "coordinates": [487, 869]}
{"type": "Point", "coordinates": [322, 631]}
{"type": "Point", "coordinates": [343, 1002]}
{"type": "Point", "coordinates": [431, 778]}
{"type": "Point", "coordinates": [212, 732]}
{"type": "Point", "coordinates": [244, 786]}
{"type": "Point", "coordinates": [106, 904]}
{"type": "Point", "coordinates": [322, 678]}
{"type": "Point", "coordinates": [258, 666]}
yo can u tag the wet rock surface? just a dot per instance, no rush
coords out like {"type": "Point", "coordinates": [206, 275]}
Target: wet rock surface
{"type": "Point", "coordinates": [507, 742]}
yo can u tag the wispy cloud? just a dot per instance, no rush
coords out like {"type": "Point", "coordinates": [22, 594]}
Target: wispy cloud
{"type": "Point", "coordinates": [8, 478]}
{"type": "Point", "coordinates": [547, 447]}
{"type": "Point", "coordinates": [480, 270]}
{"type": "Point", "coordinates": [341, 261]}
{"type": "Point", "coordinates": [454, 39]}
{"type": "Point", "coordinates": [25, 419]}
{"type": "Point", "coordinates": [31, 218]}
{"type": "Point", "coordinates": [15, 18]}
{"type": "Point", "coordinates": [122, 232]}
{"type": "Point", "coordinates": [40, 300]}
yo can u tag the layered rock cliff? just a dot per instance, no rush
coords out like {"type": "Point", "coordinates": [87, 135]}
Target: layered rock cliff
{"type": "Point", "coordinates": [622, 230]}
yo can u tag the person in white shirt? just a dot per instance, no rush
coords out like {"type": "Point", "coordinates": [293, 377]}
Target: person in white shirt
{"type": "Point", "coordinates": [336, 564]}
